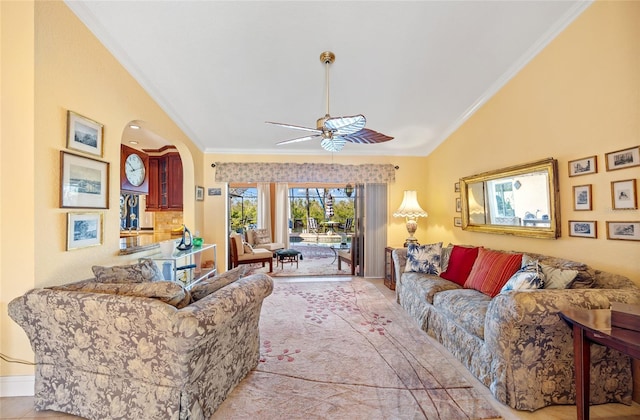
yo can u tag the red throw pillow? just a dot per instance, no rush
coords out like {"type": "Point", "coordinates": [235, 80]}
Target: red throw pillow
{"type": "Point", "coordinates": [491, 270]}
{"type": "Point", "coordinates": [460, 263]}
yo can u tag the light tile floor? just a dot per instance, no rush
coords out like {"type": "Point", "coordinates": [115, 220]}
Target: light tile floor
{"type": "Point", "coordinates": [22, 407]}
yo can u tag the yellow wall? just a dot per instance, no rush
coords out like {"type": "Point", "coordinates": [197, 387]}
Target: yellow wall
{"type": "Point", "coordinates": [55, 64]}
{"type": "Point", "coordinates": [579, 97]}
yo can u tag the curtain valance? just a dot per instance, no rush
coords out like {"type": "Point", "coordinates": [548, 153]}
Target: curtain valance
{"type": "Point", "coordinates": [303, 172]}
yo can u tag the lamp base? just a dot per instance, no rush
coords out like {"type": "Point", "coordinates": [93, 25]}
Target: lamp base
{"type": "Point", "coordinates": [411, 241]}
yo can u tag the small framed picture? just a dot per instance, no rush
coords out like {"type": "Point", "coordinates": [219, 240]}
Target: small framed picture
{"type": "Point", "coordinates": [83, 134]}
{"type": "Point", "coordinates": [457, 221]}
{"type": "Point", "coordinates": [623, 158]}
{"type": "Point", "coordinates": [584, 166]}
{"type": "Point", "coordinates": [199, 193]}
{"type": "Point", "coordinates": [626, 231]}
{"type": "Point", "coordinates": [582, 197]}
{"type": "Point", "coordinates": [84, 230]}
{"type": "Point", "coordinates": [456, 187]}
{"type": "Point", "coordinates": [583, 229]}
{"type": "Point", "coordinates": [84, 182]}
{"type": "Point", "coordinates": [623, 194]}
{"type": "Point", "coordinates": [458, 205]}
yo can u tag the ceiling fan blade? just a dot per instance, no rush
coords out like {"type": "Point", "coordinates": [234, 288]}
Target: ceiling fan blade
{"type": "Point", "coordinates": [366, 136]}
{"type": "Point", "coordinates": [297, 127]}
{"type": "Point", "coordinates": [333, 144]}
{"type": "Point", "coordinates": [345, 125]}
{"type": "Point", "coordinates": [299, 139]}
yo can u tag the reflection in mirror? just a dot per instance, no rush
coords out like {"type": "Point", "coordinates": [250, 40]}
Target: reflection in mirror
{"type": "Point", "coordinates": [521, 200]}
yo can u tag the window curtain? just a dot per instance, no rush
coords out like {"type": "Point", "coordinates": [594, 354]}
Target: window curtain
{"type": "Point", "coordinates": [282, 209]}
{"type": "Point", "coordinates": [264, 206]}
{"type": "Point", "coordinates": [375, 229]}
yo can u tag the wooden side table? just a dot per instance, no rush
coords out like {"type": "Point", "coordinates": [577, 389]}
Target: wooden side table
{"type": "Point", "coordinates": [389, 269]}
{"type": "Point", "coordinates": [594, 326]}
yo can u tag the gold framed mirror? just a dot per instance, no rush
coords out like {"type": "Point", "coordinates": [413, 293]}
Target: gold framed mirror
{"type": "Point", "coordinates": [521, 200]}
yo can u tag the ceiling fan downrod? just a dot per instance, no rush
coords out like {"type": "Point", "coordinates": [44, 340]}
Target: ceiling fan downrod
{"type": "Point", "coordinates": [327, 58]}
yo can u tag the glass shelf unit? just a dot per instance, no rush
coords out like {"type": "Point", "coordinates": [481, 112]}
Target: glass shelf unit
{"type": "Point", "coordinates": [185, 267]}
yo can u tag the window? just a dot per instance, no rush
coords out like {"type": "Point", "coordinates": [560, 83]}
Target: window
{"type": "Point", "coordinates": [243, 209]}
{"type": "Point", "coordinates": [307, 202]}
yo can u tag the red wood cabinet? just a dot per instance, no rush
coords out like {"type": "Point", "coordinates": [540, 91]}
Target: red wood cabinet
{"type": "Point", "coordinates": [165, 182]}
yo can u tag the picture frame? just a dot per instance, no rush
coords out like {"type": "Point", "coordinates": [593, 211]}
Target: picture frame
{"type": "Point", "coordinates": [84, 134]}
{"type": "Point", "coordinates": [84, 182]}
{"type": "Point", "coordinates": [621, 159]}
{"type": "Point", "coordinates": [623, 195]}
{"type": "Point", "coordinates": [199, 193]}
{"type": "Point", "coordinates": [583, 229]}
{"type": "Point", "coordinates": [582, 197]}
{"type": "Point", "coordinates": [584, 166]}
{"type": "Point", "coordinates": [84, 230]}
{"type": "Point", "coordinates": [458, 205]}
{"type": "Point", "coordinates": [457, 221]}
{"type": "Point", "coordinates": [456, 187]}
{"type": "Point", "coordinates": [624, 231]}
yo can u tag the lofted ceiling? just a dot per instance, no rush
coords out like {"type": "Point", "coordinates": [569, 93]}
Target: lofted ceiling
{"type": "Point", "coordinates": [416, 69]}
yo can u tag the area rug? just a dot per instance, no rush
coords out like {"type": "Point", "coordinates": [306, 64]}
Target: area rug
{"type": "Point", "coordinates": [314, 261]}
{"type": "Point", "coordinates": [341, 350]}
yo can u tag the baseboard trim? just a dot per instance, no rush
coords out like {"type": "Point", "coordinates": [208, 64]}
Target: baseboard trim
{"type": "Point", "coordinates": [17, 386]}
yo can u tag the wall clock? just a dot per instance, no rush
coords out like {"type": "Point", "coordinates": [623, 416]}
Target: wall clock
{"type": "Point", "coordinates": [133, 170]}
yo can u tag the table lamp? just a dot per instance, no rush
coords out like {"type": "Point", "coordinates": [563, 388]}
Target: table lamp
{"type": "Point", "coordinates": [411, 210]}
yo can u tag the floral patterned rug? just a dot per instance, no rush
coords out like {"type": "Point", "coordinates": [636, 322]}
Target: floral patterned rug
{"type": "Point", "coordinates": [341, 350]}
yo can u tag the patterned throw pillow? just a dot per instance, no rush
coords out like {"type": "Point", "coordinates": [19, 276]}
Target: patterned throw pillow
{"type": "Point", "coordinates": [558, 278]}
{"type": "Point", "coordinates": [248, 249]}
{"type": "Point", "coordinates": [424, 258]}
{"type": "Point", "coordinates": [145, 270]}
{"type": "Point", "coordinates": [491, 270]}
{"type": "Point", "coordinates": [446, 254]}
{"type": "Point", "coordinates": [208, 286]}
{"type": "Point", "coordinates": [460, 263]}
{"type": "Point", "coordinates": [530, 276]}
{"type": "Point", "coordinates": [261, 236]}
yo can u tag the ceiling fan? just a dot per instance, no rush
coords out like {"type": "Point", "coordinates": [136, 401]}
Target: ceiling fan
{"type": "Point", "coordinates": [335, 132]}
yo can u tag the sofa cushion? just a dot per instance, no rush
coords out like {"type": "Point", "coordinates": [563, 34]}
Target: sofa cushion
{"type": "Point", "coordinates": [145, 270]}
{"type": "Point", "coordinates": [424, 258]}
{"type": "Point", "coordinates": [530, 276]}
{"type": "Point", "coordinates": [491, 270]}
{"type": "Point", "coordinates": [210, 285]}
{"type": "Point", "coordinates": [465, 307]}
{"type": "Point", "coordinates": [168, 292]}
{"type": "Point", "coordinates": [261, 236]}
{"type": "Point", "coordinates": [460, 264]}
{"type": "Point", "coordinates": [426, 286]}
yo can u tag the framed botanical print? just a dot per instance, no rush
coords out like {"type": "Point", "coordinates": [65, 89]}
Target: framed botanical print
{"type": "Point", "coordinates": [625, 231]}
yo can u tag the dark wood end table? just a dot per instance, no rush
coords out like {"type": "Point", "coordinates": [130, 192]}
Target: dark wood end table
{"type": "Point", "coordinates": [594, 326]}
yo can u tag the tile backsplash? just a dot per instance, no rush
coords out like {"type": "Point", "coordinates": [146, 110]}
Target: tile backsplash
{"type": "Point", "coordinates": [166, 221]}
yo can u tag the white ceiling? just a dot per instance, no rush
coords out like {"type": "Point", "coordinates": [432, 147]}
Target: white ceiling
{"type": "Point", "coordinates": [416, 69]}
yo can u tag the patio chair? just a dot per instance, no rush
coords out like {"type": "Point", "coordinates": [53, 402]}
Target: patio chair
{"type": "Point", "coordinates": [347, 256]}
{"type": "Point", "coordinates": [240, 256]}
{"type": "Point", "coordinates": [312, 225]}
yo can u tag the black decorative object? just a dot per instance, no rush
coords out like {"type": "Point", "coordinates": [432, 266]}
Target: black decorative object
{"type": "Point", "coordinates": [187, 239]}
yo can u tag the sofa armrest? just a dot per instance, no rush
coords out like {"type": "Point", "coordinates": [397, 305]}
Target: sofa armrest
{"type": "Point", "coordinates": [533, 346]}
{"type": "Point", "coordinates": [399, 256]}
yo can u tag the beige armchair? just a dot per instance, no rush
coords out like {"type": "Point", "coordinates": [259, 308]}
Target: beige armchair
{"type": "Point", "coordinates": [250, 255]}
{"type": "Point", "coordinates": [261, 239]}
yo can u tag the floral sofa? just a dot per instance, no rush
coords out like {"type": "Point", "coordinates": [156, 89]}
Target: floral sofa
{"type": "Point", "coordinates": [136, 347]}
{"type": "Point", "coordinates": [514, 341]}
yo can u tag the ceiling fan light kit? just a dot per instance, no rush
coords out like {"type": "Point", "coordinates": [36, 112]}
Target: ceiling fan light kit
{"type": "Point", "coordinates": [335, 132]}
